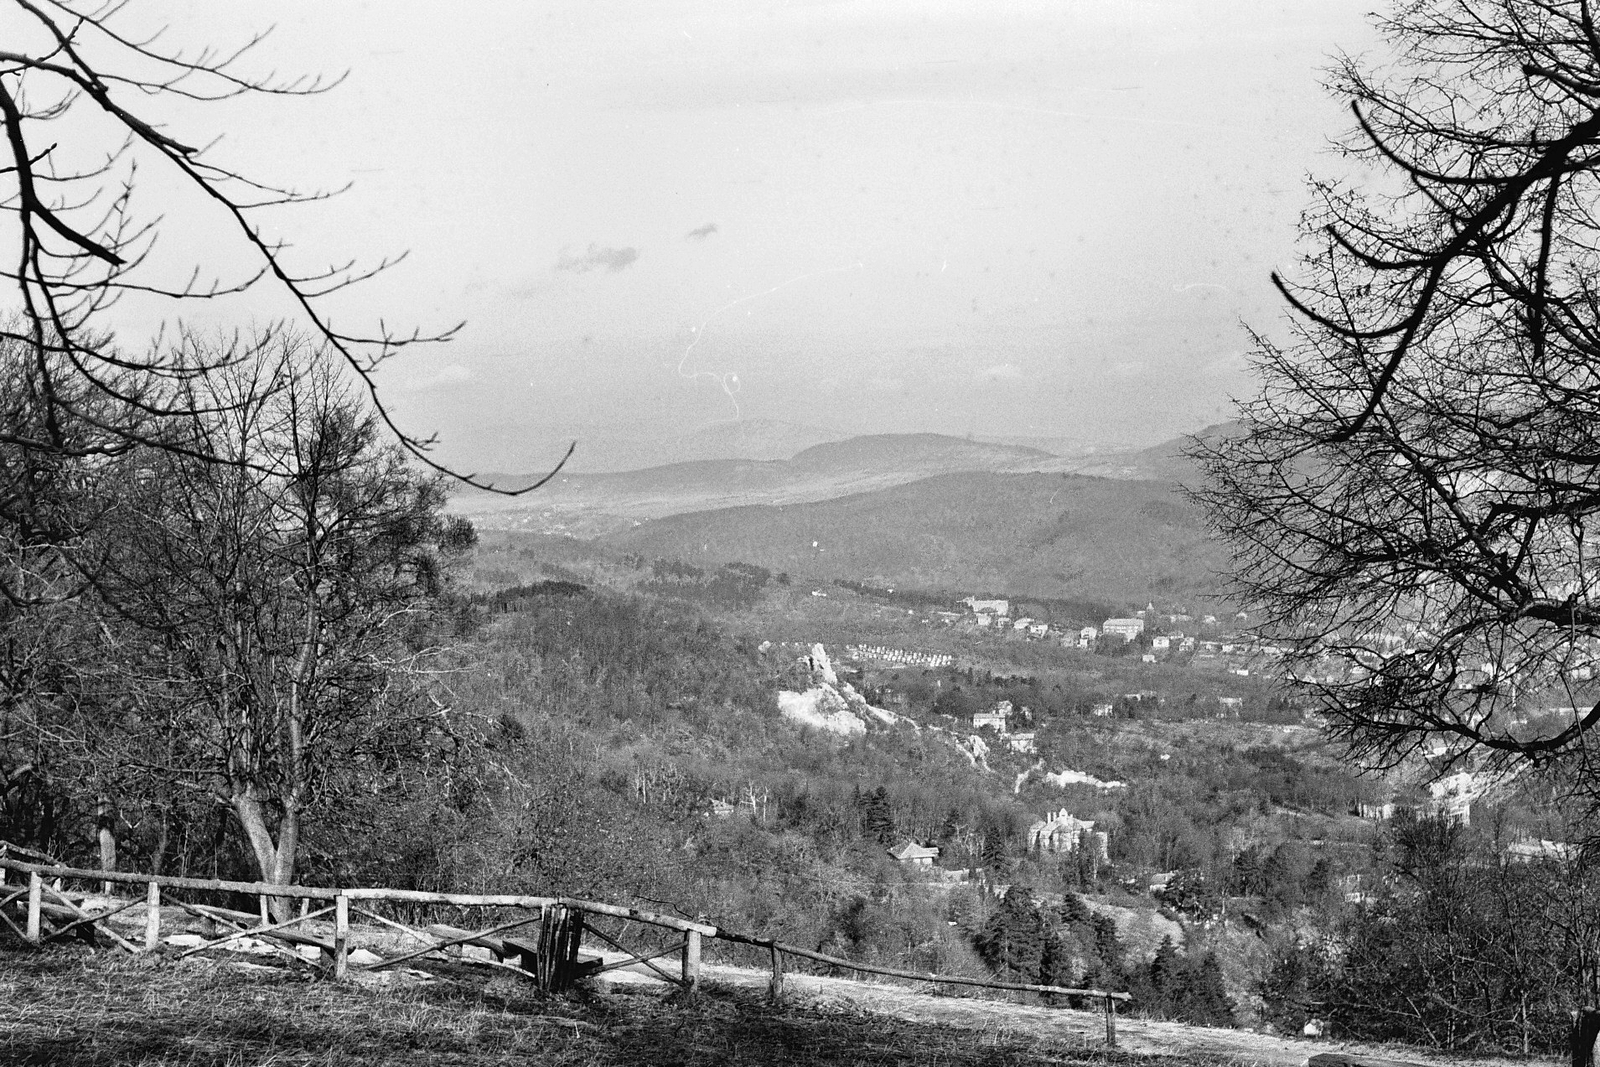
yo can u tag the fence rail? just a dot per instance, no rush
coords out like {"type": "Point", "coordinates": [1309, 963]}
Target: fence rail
{"type": "Point", "coordinates": [551, 958]}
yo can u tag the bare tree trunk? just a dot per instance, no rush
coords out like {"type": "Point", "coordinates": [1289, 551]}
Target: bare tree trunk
{"type": "Point", "coordinates": [105, 827]}
{"type": "Point", "coordinates": [274, 859]}
{"type": "Point", "coordinates": [158, 862]}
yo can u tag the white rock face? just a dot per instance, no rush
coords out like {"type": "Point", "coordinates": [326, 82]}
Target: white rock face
{"type": "Point", "coordinates": [823, 708]}
{"type": "Point", "coordinates": [1062, 779]}
{"type": "Point", "coordinates": [821, 665]}
{"type": "Point", "coordinates": [830, 704]}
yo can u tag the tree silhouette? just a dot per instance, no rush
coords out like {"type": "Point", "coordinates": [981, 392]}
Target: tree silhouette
{"type": "Point", "coordinates": [255, 639]}
{"type": "Point", "coordinates": [87, 94]}
{"type": "Point", "coordinates": [1411, 498]}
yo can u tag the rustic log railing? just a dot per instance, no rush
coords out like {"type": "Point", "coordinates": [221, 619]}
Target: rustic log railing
{"type": "Point", "coordinates": [551, 958]}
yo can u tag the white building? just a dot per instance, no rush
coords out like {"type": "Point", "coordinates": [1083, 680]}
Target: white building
{"type": "Point", "coordinates": [995, 718]}
{"type": "Point", "coordinates": [1059, 832]}
{"type": "Point", "coordinates": [916, 855]}
{"type": "Point", "coordinates": [1025, 741]}
{"type": "Point", "coordinates": [1128, 629]}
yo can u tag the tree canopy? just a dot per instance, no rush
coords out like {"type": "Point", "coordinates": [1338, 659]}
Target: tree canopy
{"type": "Point", "coordinates": [250, 634]}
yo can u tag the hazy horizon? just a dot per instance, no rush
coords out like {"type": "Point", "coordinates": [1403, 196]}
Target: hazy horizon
{"type": "Point", "coordinates": [1043, 220]}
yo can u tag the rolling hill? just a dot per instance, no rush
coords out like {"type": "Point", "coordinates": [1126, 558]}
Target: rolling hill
{"type": "Point", "coordinates": [1039, 534]}
{"type": "Point", "coordinates": [594, 504]}
{"type": "Point", "coordinates": [603, 447]}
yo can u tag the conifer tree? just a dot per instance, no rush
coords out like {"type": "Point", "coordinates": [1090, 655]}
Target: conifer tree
{"type": "Point", "coordinates": [994, 847]}
{"type": "Point", "coordinates": [1012, 942]}
{"type": "Point", "coordinates": [1203, 998]}
{"type": "Point", "coordinates": [877, 820]}
{"type": "Point", "coordinates": [1055, 962]}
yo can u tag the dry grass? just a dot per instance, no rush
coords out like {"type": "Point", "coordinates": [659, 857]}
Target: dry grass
{"type": "Point", "coordinates": [75, 1009]}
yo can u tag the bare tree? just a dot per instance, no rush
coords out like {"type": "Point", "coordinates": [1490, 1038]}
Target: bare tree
{"type": "Point", "coordinates": [256, 637]}
{"type": "Point", "coordinates": [1412, 498]}
{"type": "Point", "coordinates": [85, 95]}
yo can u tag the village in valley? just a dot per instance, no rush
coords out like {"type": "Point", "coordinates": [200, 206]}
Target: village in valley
{"type": "Point", "coordinates": [870, 686]}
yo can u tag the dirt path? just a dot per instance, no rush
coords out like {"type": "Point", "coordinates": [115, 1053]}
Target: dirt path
{"type": "Point", "coordinates": [1063, 1024]}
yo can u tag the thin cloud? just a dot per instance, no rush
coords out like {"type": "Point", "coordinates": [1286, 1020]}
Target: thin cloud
{"type": "Point", "coordinates": [700, 233]}
{"type": "Point", "coordinates": [447, 375]}
{"type": "Point", "coordinates": [597, 258]}
{"type": "Point", "coordinates": [1004, 372]}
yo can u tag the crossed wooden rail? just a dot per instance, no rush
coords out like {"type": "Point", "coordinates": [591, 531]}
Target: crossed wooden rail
{"type": "Point", "coordinates": [551, 958]}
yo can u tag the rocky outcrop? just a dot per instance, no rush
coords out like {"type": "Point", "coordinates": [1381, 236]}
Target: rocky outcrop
{"type": "Point", "coordinates": [830, 704]}
{"type": "Point", "coordinates": [823, 708]}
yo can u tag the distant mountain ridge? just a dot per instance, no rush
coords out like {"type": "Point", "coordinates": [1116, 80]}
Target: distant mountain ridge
{"type": "Point", "coordinates": [590, 504]}
{"type": "Point", "coordinates": [603, 449]}
{"type": "Point", "coordinates": [1167, 461]}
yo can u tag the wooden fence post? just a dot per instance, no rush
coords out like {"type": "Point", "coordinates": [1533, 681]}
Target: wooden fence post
{"type": "Point", "coordinates": [575, 939]}
{"type": "Point", "coordinates": [1111, 1022]}
{"type": "Point", "coordinates": [775, 990]}
{"type": "Point", "coordinates": [691, 961]}
{"type": "Point", "coordinates": [35, 897]}
{"type": "Point", "coordinates": [1585, 1027]}
{"type": "Point", "coordinates": [152, 918]}
{"type": "Point", "coordinates": [341, 937]}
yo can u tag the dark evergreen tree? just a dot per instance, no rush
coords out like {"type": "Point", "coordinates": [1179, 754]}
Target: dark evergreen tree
{"type": "Point", "coordinates": [994, 847]}
{"type": "Point", "coordinates": [1201, 997]}
{"type": "Point", "coordinates": [1074, 911]}
{"type": "Point", "coordinates": [1163, 981]}
{"type": "Point", "coordinates": [1012, 942]}
{"type": "Point", "coordinates": [877, 820]}
{"type": "Point", "coordinates": [1055, 963]}
{"type": "Point", "coordinates": [1249, 872]}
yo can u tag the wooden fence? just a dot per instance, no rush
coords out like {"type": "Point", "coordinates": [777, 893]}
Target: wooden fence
{"type": "Point", "coordinates": [550, 956]}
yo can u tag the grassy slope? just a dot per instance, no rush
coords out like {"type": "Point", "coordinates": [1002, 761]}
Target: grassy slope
{"type": "Point", "coordinates": [1048, 535]}
{"type": "Point", "coordinates": [66, 1010]}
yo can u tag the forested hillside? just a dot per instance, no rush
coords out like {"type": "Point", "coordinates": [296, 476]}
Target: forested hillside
{"type": "Point", "coordinates": [1048, 535]}
{"type": "Point", "coordinates": [618, 736]}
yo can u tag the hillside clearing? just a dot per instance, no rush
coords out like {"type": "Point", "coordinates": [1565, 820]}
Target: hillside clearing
{"type": "Point", "coordinates": [1152, 1040]}
{"type": "Point", "coordinates": [69, 1010]}
{"type": "Point", "coordinates": [72, 1009]}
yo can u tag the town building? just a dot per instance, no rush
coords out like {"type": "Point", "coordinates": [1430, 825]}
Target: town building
{"type": "Point", "coordinates": [1025, 741]}
{"type": "Point", "coordinates": [996, 718]}
{"type": "Point", "coordinates": [1127, 629]}
{"type": "Point", "coordinates": [1544, 849]}
{"type": "Point", "coordinates": [1060, 832]}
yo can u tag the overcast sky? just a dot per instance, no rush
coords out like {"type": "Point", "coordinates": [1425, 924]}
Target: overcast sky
{"type": "Point", "coordinates": [964, 216]}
